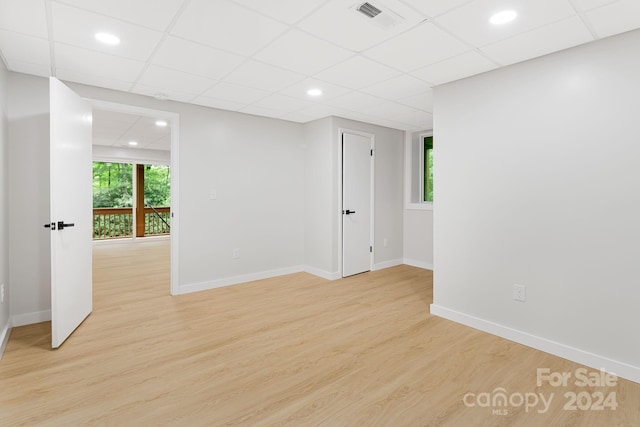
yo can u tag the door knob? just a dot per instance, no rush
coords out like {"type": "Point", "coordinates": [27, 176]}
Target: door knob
{"type": "Point", "coordinates": [62, 225]}
{"type": "Point", "coordinates": [52, 226]}
{"type": "Point", "coordinates": [348, 212]}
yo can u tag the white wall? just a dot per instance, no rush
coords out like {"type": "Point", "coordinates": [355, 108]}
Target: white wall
{"type": "Point", "coordinates": [418, 238]}
{"type": "Point", "coordinates": [29, 241]}
{"type": "Point", "coordinates": [318, 193]}
{"type": "Point", "coordinates": [538, 184]}
{"type": "Point", "coordinates": [418, 217]}
{"type": "Point", "coordinates": [4, 207]}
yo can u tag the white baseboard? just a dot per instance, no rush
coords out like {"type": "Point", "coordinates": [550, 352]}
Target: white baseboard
{"type": "Point", "coordinates": [4, 337]}
{"type": "Point", "coordinates": [321, 273]}
{"type": "Point", "coordinates": [30, 318]}
{"type": "Point", "coordinates": [419, 264]}
{"type": "Point", "coordinates": [595, 361]}
{"type": "Point", "coordinates": [228, 281]}
{"type": "Point", "coordinates": [387, 264]}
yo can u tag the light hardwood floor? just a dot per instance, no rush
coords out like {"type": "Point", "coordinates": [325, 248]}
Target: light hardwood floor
{"type": "Point", "coordinates": [296, 350]}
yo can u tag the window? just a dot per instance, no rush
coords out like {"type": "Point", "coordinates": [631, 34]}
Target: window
{"type": "Point", "coordinates": [419, 183]}
{"type": "Point", "coordinates": [427, 169]}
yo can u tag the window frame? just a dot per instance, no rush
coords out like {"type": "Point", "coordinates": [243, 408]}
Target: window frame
{"type": "Point", "coordinates": [414, 171]}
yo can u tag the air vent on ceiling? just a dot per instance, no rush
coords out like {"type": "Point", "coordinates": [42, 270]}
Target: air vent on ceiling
{"type": "Point", "coordinates": [369, 10]}
{"type": "Point", "coordinates": [380, 14]}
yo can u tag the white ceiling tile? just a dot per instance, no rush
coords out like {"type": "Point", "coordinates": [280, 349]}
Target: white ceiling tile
{"type": "Point", "coordinates": [471, 21]}
{"type": "Point", "coordinates": [24, 16]}
{"type": "Point", "coordinates": [227, 26]}
{"type": "Point", "coordinates": [113, 119]}
{"type": "Point", "coordinates": [355, 101]}
{"type": "Point", "coordinates": [357, 72]}
{"type": "Point", "coordinates": [177, 81]}
{"type": "Point", "coordinates": [144, 132]}
{"type": "Point", "coordinates": [434, 8]}
{"type": "Point", "coordinates": [21, 48]}
{"type": "Point", "coordinates": [71, 75]}
{"type": "Point", "coordinates": [329, 91]}
{"type": "Point", "coordinates": [156, 16]}
{"type": "Point", "coordinates": [29, 68]}
{"type": "Point", "coordinates": [169, 94]}
{"type": "Point", "coordinates": [236, 93]}
{"type": "Point", "coordinates": [319, 111]}
{"type": "Point", "coordinates": [451, 69]}
{"type": "Point", "coordinates": [615, 18]}
{"type": "Point", "coordinates": [340, 23]}
{"type": "Point", "coordinates": [263, 76]}
{"type": "Point", "coordinates": [264, 112]}
{"type": "Point", "coordinates": [289, 11]}
{"type": "Point", "coordinates": [541, 41]}
{"type": "Point", "coordinates": [398, 87]}
{"type": "Point", "coordinates": [429, 43]}
{"type": "Point", "coordinates": [163, 143]}
{"type": "Point", "coordinates": [282, 103]}
{"type": "Point", "coordinates": [591, 4]}
{"type": "Point", "coordinates": [78, 28]}
{"type": "Point", "coordinates": [394, 111]}
{"type": "Point", "coordinates": [422, 101]}
{"type": "Point", "coordinates": [302, 53]}
{"type": "Point", "coordinates": [98, 64]}
{"type": "Point", "coordinates": [194, 58]}
{"type": "Point", "coordinates": [220, 104]}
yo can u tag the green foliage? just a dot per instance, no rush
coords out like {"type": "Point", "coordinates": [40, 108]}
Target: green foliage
{"type": "Point", "coordinates": [428, 169]}
{"type": "Point", "coordinates": [112, 185]}
{"type": "Point", "coordinates": [113, 188]}
{"type": "Point", "coordinates": [157, 185]}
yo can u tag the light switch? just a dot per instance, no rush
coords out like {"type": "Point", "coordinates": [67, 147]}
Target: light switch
{"type": "Point", "coordinates": [213, 195]}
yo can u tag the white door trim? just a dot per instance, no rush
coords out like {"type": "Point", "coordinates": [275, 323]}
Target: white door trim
{"type": "Point", "coordinates": [372, 138]}
{"type": "Point", "coordinates": [174, 120]}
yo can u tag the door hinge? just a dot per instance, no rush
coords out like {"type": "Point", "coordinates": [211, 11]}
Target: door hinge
{"type": "Point", "coordinates": [371, 153]}
{"type": "Point", "coordinates": [371, 249]}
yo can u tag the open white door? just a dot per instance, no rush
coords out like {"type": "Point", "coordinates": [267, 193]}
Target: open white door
{"type": "Point", "coordinates": [356, 204]}
{"type": "Point", "coordinates": [70, 211]}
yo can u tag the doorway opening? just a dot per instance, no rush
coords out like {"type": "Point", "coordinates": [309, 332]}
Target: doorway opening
{"type": "Point", "coordinates": [135, 177]}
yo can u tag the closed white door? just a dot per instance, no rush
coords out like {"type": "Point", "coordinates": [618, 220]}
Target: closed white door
{"type": "Point", "coordinates": [356, 204]}
{"type": "Point", "coordinates": [70, 211]}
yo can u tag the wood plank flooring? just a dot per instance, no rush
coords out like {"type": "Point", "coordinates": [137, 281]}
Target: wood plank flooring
{"type": "Point", "coordinates": [295, 350]}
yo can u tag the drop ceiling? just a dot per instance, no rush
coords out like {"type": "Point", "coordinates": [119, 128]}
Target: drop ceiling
{"type": "Point", "coordinates": [260, 57]}
{"type": "Point", "coordinates": [113, 129]}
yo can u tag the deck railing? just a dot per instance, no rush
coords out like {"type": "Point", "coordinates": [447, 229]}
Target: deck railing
{"type": "Point", "coordinates": [114, 223]}
{"type": "Point", "coordinates": [157, 220]}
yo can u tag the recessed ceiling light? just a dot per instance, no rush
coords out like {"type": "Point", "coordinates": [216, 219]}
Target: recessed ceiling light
{"type": "Point", "coordinates": [503, 17]}
{"type": "Point", "coordinates": [161, 123]}
{"type": "Point", "coordinates": [133, 143]}
{"type": "Point", "coordinates": [107, 38]}
{"type": "Point", "coordinates": [314, 92]}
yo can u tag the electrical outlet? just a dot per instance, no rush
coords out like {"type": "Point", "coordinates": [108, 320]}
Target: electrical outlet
{"type": "Point", "coordinates": [519, 293]}
{"type": "Point", "coordinates": [236, 253]}
{"type": "Point", "coordinates": [2, 293]}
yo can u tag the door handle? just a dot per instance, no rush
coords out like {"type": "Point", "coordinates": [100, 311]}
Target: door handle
{"type": "Point", "coordinates": [348, 212]}
{"type": "Point", "coordinates": [62, 225]}
{"type": "Point", "coordinates": [52, 226]}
